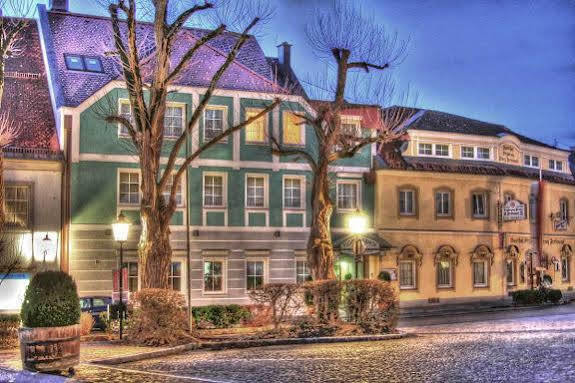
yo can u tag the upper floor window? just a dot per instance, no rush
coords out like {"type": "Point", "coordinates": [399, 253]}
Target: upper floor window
{"type": "Point", "coordinates": [256, 131]}
{"type": "Point", "coordinates": [442, 150]}
{"type": "Point", "coordinates": [214, 190]}
{"type": "Point", "coordinates": [214, 117]}
{"type": "Point", "coordinates": [407, 203]}
{"type": "Point", "coordinates": [479, 153]}
{"type": "Point", "coordinates": [508, 197]}
{"type": "Point", "coordinates": [425, 149]}
{"type": "Point", "coordinates": [256, 191]}
{"type": "Point", "coordinates": [168, 190]}
{"type": "Point", "coordinates": [556, 165]}
{"type": "Point", "coordinates": [173, 121]}
{"type": "Point", "coordinates": [17, 201]}
{"type": "Point", "coordinates": [443, 203]}
{"type": "Point", "coordinates": [293, 129]}
{"type": "Point", "coordinates": [129, 188]}
{"type": "Point", "coordinates": [483, 153]}
{"type": "Point", "coordinates": [292, 192]}
{"type": "Point", "coordinates": [347, 195]}
{"type": "Point", "coordinates": [467, 152]}
{"type": "Point", "coordinates": [531, 161]}
{"type": "Point", "coordinates": [532, 208]}
{"type": "Point", "coordinates": [83, 63]}
{"type": "Point", "coordinates": [564, 209]}
{"type": "Point", "coordinates": [479, 206]}
{"type": "Point", "coordinates": [439, 150]}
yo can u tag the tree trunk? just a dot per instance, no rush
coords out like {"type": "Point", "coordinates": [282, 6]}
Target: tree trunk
{"type": "Point", "coordinates": [2, 212]}
{"type": "Point", "coordinates": [155, 251]}
{"type": "Point", "coordinates": [319, 246]}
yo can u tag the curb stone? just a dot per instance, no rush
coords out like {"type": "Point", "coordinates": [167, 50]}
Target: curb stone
{"type": "Point", "coordinates": [244, 344]}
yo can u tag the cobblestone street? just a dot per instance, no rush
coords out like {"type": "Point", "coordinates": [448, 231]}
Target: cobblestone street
{"type": "Point", "coordinates": [533, 345]}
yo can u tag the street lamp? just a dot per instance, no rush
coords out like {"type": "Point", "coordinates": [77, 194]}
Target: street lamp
{"type": "Point", "coordinates": [121, 228]}
{"type": "Point", "coordinates": [46, 246]}
{"type": "Point", "coordinates": [357, 225]}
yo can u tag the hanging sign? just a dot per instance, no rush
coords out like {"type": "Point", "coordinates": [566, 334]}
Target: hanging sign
{"type": "Point", "coordinates": [513, 210]}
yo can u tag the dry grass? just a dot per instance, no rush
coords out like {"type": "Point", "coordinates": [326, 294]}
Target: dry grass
{"type": "Point", "coordinates": [86, 323]}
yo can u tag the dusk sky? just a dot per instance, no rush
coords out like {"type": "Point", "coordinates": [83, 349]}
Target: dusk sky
{"type": "Point", "coordinates": [505, 61]}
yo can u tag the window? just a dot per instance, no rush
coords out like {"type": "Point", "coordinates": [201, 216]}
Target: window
{"type": "Point", "coordinates": [129, 188]}
{"type": "Point", "coordinates": [479, 207]}
{"type": "Point", "coordinates": [347, 195]}
{"type": "Point", "coordinates": [510, 272]}
{"type": "Point", "coordinates": [443, 203]}
{"type": "Point", "coordinates": [532, 208]}
{"type": "Point", "coordinates": [293, 132]}
{"type": "Point", "coordinates": [564, 209]}
{"type": "Point", "coordinates": [292, 193]}
{"type": "Point", "coordinates": [168, 189]}
{"type": "Point", "coordinates": [407, 274]}
{"type": "Point", "coordinates": [425, 149]}
{"type": "Point", "coordinates": [556, 165]}
{"type": "Point", "coordinates": [479, 273]}
{"type": "Point", "coordinates": [17, 203]}
{"type": "Point", "coordinates": [522, 272]}
{"type": "Point", "coordinates": [406, 202]}
{"type": "Point", "coordinates": [175, 276]}
{"type": "Point", "coordinates": [213, 190]}
{"type": "Point", "coordinates": [173, 121]}
{"type": "Point", "coordinates": [83, 63]}
{"type": "Point", "coordinates": [302, 273]}
{"type": "Point", "coordinates": [442, 150]}
{"type": "Point", "coordinates": [444, 273]}
{"type": "Point", "coordinates": [483, 153]}
{"type": "Point", "coordinates": [467, 152]}
{"type": "Point", "coordinates": [126, 112]}
{"type": "Point", "coordinates": [213, 122]}
{"type": "Point", "coordinates": [213, 276]}
{"type": "Point", "coordinates": [132, 276]}
{"type": "Point", "coordinates": [531, 161]}
{"type": "Point", "coordinates": [255, 191]}
{"type": "Point", "coordinates": [255, 274]}
{"type": "Point", "coordinates": [256, 131]}
{"type": "Point", "coordinates": [565, 269]}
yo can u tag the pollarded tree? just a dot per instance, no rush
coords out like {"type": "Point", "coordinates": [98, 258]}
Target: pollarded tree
{"type": "Point", "coordinates": [356, 44]}
{"type": "Point", "coordinates": [149, 76]}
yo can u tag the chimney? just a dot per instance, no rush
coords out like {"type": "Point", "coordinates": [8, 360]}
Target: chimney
{"type": "Point", "coordinates": [284, 54]}
{"type": "Point", "coordinates": [58, 5]}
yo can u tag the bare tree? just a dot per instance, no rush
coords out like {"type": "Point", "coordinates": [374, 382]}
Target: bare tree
{"type": "Point", "coordinates": [148, 78]}
{"type": "Point", "coordinates": [344, 36]}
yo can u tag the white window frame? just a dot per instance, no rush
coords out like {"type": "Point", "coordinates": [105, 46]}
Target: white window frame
{"type": "Point", "coordinates": [125, 101]}
{"type": "Point", "coordinates": [172, 277]}
{"type": "Point", "coordinates": [513, 263]}
{"type": "Point", "coordinates": [435, 146]}
{"type": "Point", "coordinates": [265, 261]}
{"type": "Point", "coordinates": [565, 261]}
{"type": "Point", "coordinates": [291, 210]}
{"type": "Point", "coordinates": [413, 211]}
{"type": "Point", "coordinates": [472, 154]}
{"type": "Point", "coordinates": [555, 167]}
{"type": "Point", "coordinates": [300, 259]}
{"type": "Point", "coordinates": [485, 205]}
{"type": "Point", "coordinates": [485, 273]}
{"type": "Point", "coordinates": [171, 104]}
{"type": "Point", "coordinates": [29, 204]}
{"type": "Point", "coordinates": [256, 209]}
{"type": "Point", "coordinates": [481, 158]}
{"type": "Point", "coordinates": [450, 284]}
{"type": "Point", "coordinates": [564, 209]}
{"type": "Point", "coordinates": [208, 208]}
{"type": "Point", "coordinates": [434, 149]}
{"type": "Point", "coordinates": [421, 152]}
{"type": "Point", "coordinates": [182, 106]}
{"type": "Point", "coordinates": [530, 164]}
{"type": "Point", "coordinates": [224, 261]}
{"type": "Point", "coordinates": [126, 205]}
{"type": "Point", "coordinates": [449, 203]}
{"type": "Point", "coordinates": [413, 277]}
{"type": "Point", "coordinates": [225, 126]}
{"type": "Point", "coordinates": [358, 197]}
{"type": "Point", "coordinates": [266, 131]}
{"type": "Point", "coordinates": [183, 185]}
{"type": "Point", "coordinates": [301, 126]}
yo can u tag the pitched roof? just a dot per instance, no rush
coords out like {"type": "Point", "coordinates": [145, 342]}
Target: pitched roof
{"type": "Point", "coordinates": [92, 36]}
{"type": "Point", "coordinates": [436, 121]}
{"type": "Point", "coordinates": [447, 165]}
{"type": "Point", "coordinates": [26, 97]}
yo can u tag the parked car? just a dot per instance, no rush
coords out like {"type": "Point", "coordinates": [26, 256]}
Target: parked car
{"type": "Point", "coordinates": [96, 305]}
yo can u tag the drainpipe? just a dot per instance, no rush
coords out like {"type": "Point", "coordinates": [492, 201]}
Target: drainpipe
{"type": "Point", "coordinates": [188, 249]}
{"type": "Point", "coordinates": [65, 197]}
{"type": "Point", "coordinates": [540, 216]}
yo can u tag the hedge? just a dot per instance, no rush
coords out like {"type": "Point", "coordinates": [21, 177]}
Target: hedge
{"type": "Point", "coordinates": [220, 316]}
{"type": "Point", "coordinates": [537, 296]}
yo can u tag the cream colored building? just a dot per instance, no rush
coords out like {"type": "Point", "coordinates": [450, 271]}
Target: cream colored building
{"type": "Point", "coordinates": [460, 208]}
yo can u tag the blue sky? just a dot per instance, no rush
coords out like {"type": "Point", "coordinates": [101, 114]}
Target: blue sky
{"type": "Point", "coordinates": [505, 61]}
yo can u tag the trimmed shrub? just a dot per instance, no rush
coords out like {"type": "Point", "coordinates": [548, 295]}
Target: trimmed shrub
{"type": "Point", "coordinates": [51, 300]}
{"type": "Point", "coordinates": [371, 304]}
{"type": "Point", "coordinates": [554, 296]}
{"type": "Point", "coordinates": [384, 276]}
{"type": "Point", "coordinates": [326, 299]}
{"type": "Point", "coordinates": [309, 327]}
{"type": "Point", "coordinates": [283, 299]}
{"type": "Point", "coordinates": [86, 323]}
{"type": "Point", "coordinates": [9, 324]}
{"type": "Point", "coordinates": [159, 318]}
{"type": "Point", "coordinates": [219, 316]}
{"type": "Point", "coordinates": [528, 297]}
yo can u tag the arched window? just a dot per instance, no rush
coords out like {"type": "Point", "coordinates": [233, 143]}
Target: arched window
{"type": "Point", "coordinates": [566, 254]}
{"type": "Point", "coordinates": [408, 262]}
{"type": "Point", "coordinates": [511, 260]}
{"type": "Point", "coordinates": [445, 262]}
{"type": "Point", "coordinates": [481, 261]}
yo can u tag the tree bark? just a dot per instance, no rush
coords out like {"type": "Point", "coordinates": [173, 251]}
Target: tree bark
{"type": "Point", "coordinates": [155, 251]}
{"type": "Point", "coordinates": [319, 246]}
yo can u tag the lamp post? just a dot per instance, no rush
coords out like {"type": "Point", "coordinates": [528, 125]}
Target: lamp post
{"type": "Point", "coordinates": [357, 225]}
{"type": "Point", "coordinates": [121, 228]}
{"type": "Point", "coordinates": [46, 245]}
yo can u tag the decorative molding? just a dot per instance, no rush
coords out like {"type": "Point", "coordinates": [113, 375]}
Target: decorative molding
{"type": "Point", "coordinates": [410, 252]}
{"type": "Point", "coordinates": [482, 252]}
{"type": "Point", "coordinates": [446, 252]}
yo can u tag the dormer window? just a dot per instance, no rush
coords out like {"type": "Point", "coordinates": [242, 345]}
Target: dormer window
{"type": "Point", "coordinates": [475, 153]}
{"type": "Point", "coordinates": [531, 161]}
{"type": "Point", "coordinates": [442, 150]}
{"type": "Point", "coordinates": [483, 153]}
{"type": "Point", "coordinates": [556, 165]}
{"type": "Point", "coordinates": [83, 63]}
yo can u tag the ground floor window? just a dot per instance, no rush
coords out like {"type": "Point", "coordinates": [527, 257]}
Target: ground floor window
{"type": "Point", "coordinates": [213, 275]}
{"type": "Point", "coordinates": [479, 273]}
{"type": "Point", "coordinates": [522, 272]}
{"type": "Point", "coordinates": [302, 271]}
{"type": "Point", "coordinates": [132, 276]}
{"type": "Point", "coordinates": [444, 274]}
{"type": "Point", "coordinates": [565, 269]}
{"type": "Point", "coordinates": [510, 272]}
{"type": "Point", "coordinates": [407, 274]}
{"type": "Point", "coordinates": [175, 277]}
{"type": "Point", "coordinates": [255, 274]}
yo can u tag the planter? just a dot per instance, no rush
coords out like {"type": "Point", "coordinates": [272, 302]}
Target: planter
{"type": "Point", "coordinates": [50, 349]}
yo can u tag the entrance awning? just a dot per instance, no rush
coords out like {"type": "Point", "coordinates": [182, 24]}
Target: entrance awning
{"type": "Point", "coordinates": [374, 244]}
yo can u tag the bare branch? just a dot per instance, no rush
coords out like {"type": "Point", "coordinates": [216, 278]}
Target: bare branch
{"type": "Point", "coordinates": [283, 151]}
{"type": "Point", "coordinates": [9, 130]}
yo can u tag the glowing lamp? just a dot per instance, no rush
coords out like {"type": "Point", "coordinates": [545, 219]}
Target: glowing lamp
{"type": "Point", "coordinates": [121, 228]}
{"type": "Point", "coordinates": [357, 223]}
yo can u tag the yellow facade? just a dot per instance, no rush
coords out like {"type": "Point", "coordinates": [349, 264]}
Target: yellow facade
{"type": "Point", "coordinates": [466, 250]}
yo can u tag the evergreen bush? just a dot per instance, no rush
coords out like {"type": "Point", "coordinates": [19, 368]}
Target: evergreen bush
{"type": "Point", "coordinates": [554, 296]}
{"type": "Point", "coordinates": [529, 297]}
{"type": "Point", "coordinates": [220, 316]}
{"type": "Point", "coordinates": [51, 300]}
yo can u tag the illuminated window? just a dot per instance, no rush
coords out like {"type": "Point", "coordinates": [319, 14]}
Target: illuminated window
{"type": "Point", "coordinates": [17, 203]}
{"type": "Point", "coordinates": [293, 129]}
{"type": "Point", "coordinates": [129, 188]}
{"type": "Point", "coordinates": [256, 131]}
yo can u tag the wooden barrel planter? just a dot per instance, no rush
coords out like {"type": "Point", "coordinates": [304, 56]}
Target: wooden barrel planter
{"type": "Point", "coordinates": [50, 349]}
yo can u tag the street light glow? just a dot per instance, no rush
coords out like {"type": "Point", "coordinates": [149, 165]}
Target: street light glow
{"type": "Point", "coordinates": [121, 228]}
{"type": "Point", "coordinates": [357, 223]}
